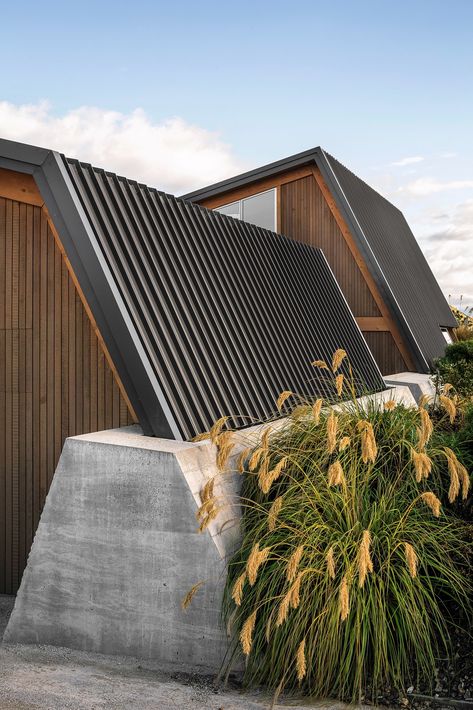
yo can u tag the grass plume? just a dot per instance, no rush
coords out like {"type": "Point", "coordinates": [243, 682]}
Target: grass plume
{"type": "Point", "coordinates": [362, 551]}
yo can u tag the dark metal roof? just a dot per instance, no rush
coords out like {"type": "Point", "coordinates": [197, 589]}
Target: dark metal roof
{"type": "Point", "coordinates": [228, 314]}
{"type": "Point", "coordinates": [203, 315]}
{"type": "Point", "coordinates": [387, 244]}
{"type": "Point", "coordinates": [416, 294]}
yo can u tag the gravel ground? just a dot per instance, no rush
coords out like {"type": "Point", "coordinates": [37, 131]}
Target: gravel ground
{"type": "Point", "coordinates": [49, 678]}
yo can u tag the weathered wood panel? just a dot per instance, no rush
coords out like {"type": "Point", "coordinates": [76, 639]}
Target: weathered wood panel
{"type": "Point", "coordinates": [305, 216]}
{"type": "Point", "coordinates": [55, 380]}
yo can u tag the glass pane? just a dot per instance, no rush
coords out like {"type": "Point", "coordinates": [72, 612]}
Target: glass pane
{"type": "Point", "coordinates": [447, 336]}
{"type": "Point", "coordinates": [231, 210]}
{"type": "Point", "coordinates": [260, 209]}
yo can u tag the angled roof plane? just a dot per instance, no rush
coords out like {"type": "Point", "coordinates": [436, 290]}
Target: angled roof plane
{"type": "Point", "coordinates": [201, 315]}
{"type": "Point", "coordinates": [409, 302]}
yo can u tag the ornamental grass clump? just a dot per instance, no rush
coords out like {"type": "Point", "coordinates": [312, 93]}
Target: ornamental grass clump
{"type": "Point", "coordinates": [349, 561]}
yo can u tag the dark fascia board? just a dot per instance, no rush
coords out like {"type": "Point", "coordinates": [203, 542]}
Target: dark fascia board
{"type": "Point", "coordinates": [317, 156]}
{"type": "Point", "coordinates": [30, 156]}
{"type": "Point", "coordinates": [96, 282]}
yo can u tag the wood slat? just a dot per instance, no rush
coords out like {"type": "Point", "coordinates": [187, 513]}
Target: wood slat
{"type": "Point", "coordinates": [55, 380]}
{"type": "Point", "coordinates": [386, 353]}
{"type": "Point", "coordinates": [373, 324]}
{"type": "Point", "coordinates": [306, 216]}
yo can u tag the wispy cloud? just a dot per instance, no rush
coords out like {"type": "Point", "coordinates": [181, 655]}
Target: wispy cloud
{"type": "Point", "coordinates": [172, 154]}
{"type": "Point", "coordinates": [408, 161]}
{"type": "Point", "coordinates": [429, 186]}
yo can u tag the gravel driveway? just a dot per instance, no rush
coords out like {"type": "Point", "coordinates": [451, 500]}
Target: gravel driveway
{"type": "Point", "coordinates": [49, 678]}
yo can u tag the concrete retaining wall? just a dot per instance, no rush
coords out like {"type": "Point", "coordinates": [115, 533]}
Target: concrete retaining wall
{"type": "Point", "coordinates": [117, 549]}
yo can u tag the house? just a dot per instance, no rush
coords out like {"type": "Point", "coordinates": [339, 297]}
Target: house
{"type": "Point", "coordinates": [121, 304]}
{"type": "Point", "coordinates": [313, 198]}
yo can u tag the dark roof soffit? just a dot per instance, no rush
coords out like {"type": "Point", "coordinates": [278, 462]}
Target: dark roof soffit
{"type": "Point", "coordinates": [12, 152]}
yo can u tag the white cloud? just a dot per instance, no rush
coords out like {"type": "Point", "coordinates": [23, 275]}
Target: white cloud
{"type": "Point", "coordinates": [429, 186]}
{"type": "Point", "coordinates": [408, 161]}
{"type": "Point", "coordinates": [449, 252]}
{"type": "Point", "coordinates": [172, 155]}
{"type": "Point", "coordinates": [441, 218]}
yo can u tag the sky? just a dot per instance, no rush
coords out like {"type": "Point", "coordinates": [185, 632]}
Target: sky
{"type": "Point", "coordinates": [181, 94]}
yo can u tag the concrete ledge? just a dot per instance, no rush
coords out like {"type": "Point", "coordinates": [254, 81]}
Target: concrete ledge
{"type": "Point", "coordinates": [418, 383]}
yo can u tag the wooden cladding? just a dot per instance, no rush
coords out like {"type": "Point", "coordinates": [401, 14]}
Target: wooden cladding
{"type": "Point", "coordinates": [385, 352]}
{"type": "Point", "coordinates": [373, 324]}
{"type": "Point", "coordinates": [306, 216]}
{"type": "Point", "coordinates": [55, 380]}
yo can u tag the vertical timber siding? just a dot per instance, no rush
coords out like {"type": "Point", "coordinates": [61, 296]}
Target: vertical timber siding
{"type": "Point", "coordinates": [305, 216]}
{"type": "Point", "coordinates": [385, 352]}
{"type": "Point", "coordinates": [54, 378]}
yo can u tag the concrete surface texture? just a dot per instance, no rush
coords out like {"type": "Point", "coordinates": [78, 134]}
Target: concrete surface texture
{"type": "Point", "coordinates": [116, 551]}
{"type": "Point", "coordinates": [52, 678]}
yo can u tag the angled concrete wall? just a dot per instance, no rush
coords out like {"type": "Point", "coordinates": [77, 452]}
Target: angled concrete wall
{"type": "Point", "coordinates": [117, 549]}
{"type": "Point", "coordinates": [418, 384]}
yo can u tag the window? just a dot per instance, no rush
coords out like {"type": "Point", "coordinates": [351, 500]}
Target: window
{"type": "Point", "coordinates": [446, 335]}
{"type": "Point", "coordinates": [231, 210]}
{"type": "Point", "coordinates": [258, 209]}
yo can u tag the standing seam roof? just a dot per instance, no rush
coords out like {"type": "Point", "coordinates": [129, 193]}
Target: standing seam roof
{"type": "Point", "coordinates": [229, 314]}
{"type": "Point", "coordinates": [202, 315]}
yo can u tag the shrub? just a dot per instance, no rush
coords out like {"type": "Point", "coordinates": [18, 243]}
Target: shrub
{"type": "Point", "coordinates": [457, 352]}
{"type": "Point", "coordinates": [456, 367]}
{"type": "Point", "coordinates": [348, 562]}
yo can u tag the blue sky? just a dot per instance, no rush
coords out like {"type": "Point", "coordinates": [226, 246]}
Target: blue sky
{"type": "Point", "coordinates": [184, 93]}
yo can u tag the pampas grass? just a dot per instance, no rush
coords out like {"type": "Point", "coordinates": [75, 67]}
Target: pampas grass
{"type": "Point", "coordinates": [348, 557]}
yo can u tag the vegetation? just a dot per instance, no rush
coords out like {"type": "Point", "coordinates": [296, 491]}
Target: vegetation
{"type": "Point", "coordinates": [456, 367]}
{"type": "Point", "coordinates": [458, 436]}
{"type": "Point", "coordinates": [465, 319]}
{"type": "Point", "coordinates": [464, 331]}
{"type": "Point", "coordinates": [354, 560]}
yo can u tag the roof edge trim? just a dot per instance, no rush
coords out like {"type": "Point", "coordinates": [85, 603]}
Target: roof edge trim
{"type": "Point", "coordinates": [105, 300]}
{"type": "Point", "coordinates": [252, 175]}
